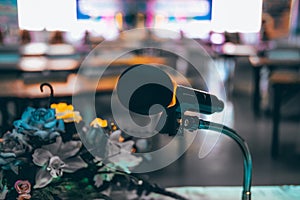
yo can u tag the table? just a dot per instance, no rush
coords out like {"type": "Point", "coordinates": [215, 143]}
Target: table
{"type": "Point", "coordinates": [284, 85]}
{"type": "Point", "coordinates": [286, 192]}
{"type": "Point", "coordinates": [45, 49]}
{"type": "Point", "coordinates": [14, 63]}
{"type": "Point", "coordinates": [17, 63]}
{"type": "Point", "coordinates": [229, 52]}
{"type": "Point", "coordinates": [21, 92]}
{"type": "Point", "coordinates": [280, 81]}
{"type": "Point", "coordinates": [271, 63]}
{"type": "Point", "coordinates": [40, 57]}
{"type": "Point", "coordinates": [95, 65]}
{"type": "Point", "coordinates": [231, 49]}
{"type": "Point", "coordinates": [96, 61]}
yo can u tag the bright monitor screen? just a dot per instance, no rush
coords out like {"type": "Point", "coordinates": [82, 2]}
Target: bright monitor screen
{"type": "Point", "coordinates": [37, 15]}
{"type": "Point", "coordinates": [194, 9]}
{"type": "Point", "coordinates": [96, 9]}
{"type": "Point", "coordinates": [196, 18]}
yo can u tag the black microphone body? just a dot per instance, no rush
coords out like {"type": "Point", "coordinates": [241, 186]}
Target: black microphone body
{"type": "Point", "coordinates": [206, 102]}
{"type": "Point", "coordinates": [141, 87]}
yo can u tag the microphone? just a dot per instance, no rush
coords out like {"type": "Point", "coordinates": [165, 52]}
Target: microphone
{"type": "Point", "coordinates": [141, 87]}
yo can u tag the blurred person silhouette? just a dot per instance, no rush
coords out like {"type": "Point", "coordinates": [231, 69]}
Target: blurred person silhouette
{"type": "Point", "coordinates": [275, 19]}
{"type": "Point", "coordinates": [1, 37]}
{"type": "Point", "coordinates": [86, 38]}
{"type": "Point", "coordinates": [57, 38]}
{"type": "Point", "coordinates": [25, 37]}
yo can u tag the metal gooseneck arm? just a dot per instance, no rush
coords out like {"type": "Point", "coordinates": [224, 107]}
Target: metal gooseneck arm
{"type": "Point", "coordinates": [193, 123]}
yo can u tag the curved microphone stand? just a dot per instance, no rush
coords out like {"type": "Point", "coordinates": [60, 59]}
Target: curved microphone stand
{"type": "Point", "coordinates": [193, 123]}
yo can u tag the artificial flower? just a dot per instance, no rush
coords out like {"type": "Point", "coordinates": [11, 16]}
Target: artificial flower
{"type": "Point", "coordinates": [119, 154]}
{"type": "Point", "coordinates": [40, 118]}
{"type": "Point", "coordinates": [8, 161]}
{"type": "Point", "coordinates": [96, 138]}
{"type": "Point", "coordinates": [3, 192]}
{"type": "Point", "coordinates": [3, 188]}
{"type": "Point", "coordinates": [66, 112]}
{"type": "Point", "coordinates": [45, 142]}
{"type": "Point", "coordinates": [101, 177]}
{"type": "Point", "coordinates": [15, 143]}
{"type": "Point", "coordinates": [22, 186]}
{"type": "Point", "coordinates": [55, 159]}
{"type": "Point", "coordinates": [39, 122]}
{"type": "Point", "coordinates": [98, 122]}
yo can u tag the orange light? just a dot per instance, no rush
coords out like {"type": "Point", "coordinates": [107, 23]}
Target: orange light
{"type": "Point", "coordinates": [140, 20]}
{"type": "Point", "coordinates": [119, 20]}
{"type": "Point", "coordinates": [121, 139]}
{"type": "Point", "coordinates": [159, 20]}
{"type": "Point", "coordinates": [173, 101]}
{"type": "Point", "coordinates": [113, 126]}
{"type": "Point", "coordinates": [133, 150]}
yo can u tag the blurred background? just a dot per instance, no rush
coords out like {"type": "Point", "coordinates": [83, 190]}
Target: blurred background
{"type": "Point", "coordinates": [253, 46]}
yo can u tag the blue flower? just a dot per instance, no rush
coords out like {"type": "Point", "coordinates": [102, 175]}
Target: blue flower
{"type": "Point", "coordinates": [40, 122]}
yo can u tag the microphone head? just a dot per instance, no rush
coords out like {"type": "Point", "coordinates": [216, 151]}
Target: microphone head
{"type": "Point", "coordinates": [140, 87]}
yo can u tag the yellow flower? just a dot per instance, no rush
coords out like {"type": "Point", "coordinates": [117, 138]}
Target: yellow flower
{"type": "Point", "coordinates": [98, 122]}
{"type": "Point", "coordinates": [62, 107]}
{"type": "Point", "coordinates": [66, 112]}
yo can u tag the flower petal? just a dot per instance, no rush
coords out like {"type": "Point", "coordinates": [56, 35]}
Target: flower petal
{"type": "Point", "coordinates": [60, 125]}
{"type": "Point", "coordinates": [3, 192]}
{"type": "Point", "coordinates": [14, 168]}
{"type": "Point", "coordinates": [126, 146]}
{"type": "Point", "coordinates": [73, 164]}
{"type": "Point", "coordinates": [42, 134]}
{"type": "Point", "coordinates": [97, 140]}
{"type": "Point", "coordinates": [69, 149]}
{"type": "Point", "coordinates": [7, 155]}
{"type": "Point", "coordinates": [54, 147]}
{"type": "Point", "coordinates": [41, 156]}
{"type": "Point", "coordinates": [42, 178]}
{"type": "Point", "coordinates": [27, 114]}
{"type": "Point", "coordinates": [115, 135]}
{"type": "Point", "coordinates": [21, 125]}
{"type": "Point", "coordinates": [50, 124]}
{"type": "Point", "coordinates": [53, 135]}
{"type": "Point", "coordinates": [98, 180]}
{"type": "Point", "coordinates": [3, 162]}
{"type": "Point", "coordinates": [125, 161]}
